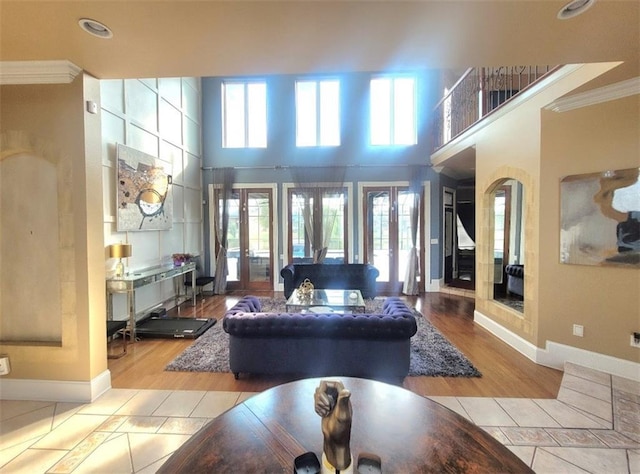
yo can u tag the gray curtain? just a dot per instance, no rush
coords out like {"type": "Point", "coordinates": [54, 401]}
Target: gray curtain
{"type": "Point", "coordinates": [225, 178]}
{"type": "Point", "coordinates": [316, 181]}
{"type": "Point", "coordinates": [410, 286]}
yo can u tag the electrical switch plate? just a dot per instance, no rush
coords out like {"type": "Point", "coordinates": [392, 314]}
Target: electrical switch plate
{"type": "Point", "coordinates": [578, 330]}
{"type": "Point", "coordinates": [5, 368]}
{"type": "Point", "coordinates": [92, 107]}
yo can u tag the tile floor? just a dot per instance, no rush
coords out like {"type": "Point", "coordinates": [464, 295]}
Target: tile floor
{"type": "Point", "coordinates": [593, 426]}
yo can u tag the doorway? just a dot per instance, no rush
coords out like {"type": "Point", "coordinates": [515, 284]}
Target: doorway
{"type": "Point", "coordinates": [388, 241]}
{"type": "Point", "coordinates": [449, 234]}
{"type": "Point", "coordinates": [249, 238]}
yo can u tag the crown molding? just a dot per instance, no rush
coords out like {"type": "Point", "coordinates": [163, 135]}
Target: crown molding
{"type": "Point", "coordinates": [597, 96]}
{"type": "Point", "coordinates": [38, 72]}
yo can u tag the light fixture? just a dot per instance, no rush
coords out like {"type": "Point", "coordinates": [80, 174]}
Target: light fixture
{"type": "Point", "coordinates": [95, 28]}
{"type": "Point", "coordinates": [120, 251]}
{"type": "Point", "coordinates": [574, 8]}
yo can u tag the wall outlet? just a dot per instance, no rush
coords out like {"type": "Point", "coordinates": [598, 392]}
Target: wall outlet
{"type": "Point", "coordinates": [578, 330]}
{"type": "Point", "coordinates": [635, 339]}
{"type": "Point", "coordinates": [5, 367]}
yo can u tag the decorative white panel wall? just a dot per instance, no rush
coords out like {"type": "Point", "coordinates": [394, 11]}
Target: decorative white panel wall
{"type": "Point", "coordinates": [160, 117]}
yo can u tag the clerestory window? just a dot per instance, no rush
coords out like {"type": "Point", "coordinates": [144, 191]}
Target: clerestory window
{"type": "Point", "coordinates": [244, 114]}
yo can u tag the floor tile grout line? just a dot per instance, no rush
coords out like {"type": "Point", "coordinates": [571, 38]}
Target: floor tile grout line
{"type": "Point", "coordinates": [48, 404]}
{"type": "Point", "coordinates": [618, 433]}
{"type": "Point", "coordinates": [506, 411]}
{"type": "Point", "coordinates": [590, 415]}
{"type": "Point", "coordinates": [169, 394]}
{"type": "Point", "coordinates": [550, 415]}
{"type": "Point", "coordinates": [610, 402]}
{"type": "Point", "coordinates": [542, 448]}
{"type": "Point", "coordinates": [84, 456]}
{"type": "Point", "coordinates": [204, 394]}
{"type": "Point", "coordinates": [581, 377]}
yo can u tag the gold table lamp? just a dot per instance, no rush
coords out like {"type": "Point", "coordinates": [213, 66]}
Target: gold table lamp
{"type": "Point", "coordinates": [120, 251]}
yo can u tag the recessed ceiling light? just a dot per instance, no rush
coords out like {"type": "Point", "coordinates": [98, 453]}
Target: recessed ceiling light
{"type": "Point", "coordinates": [95, 28]}
{"type": "Point", "coordinates": [575, 8]}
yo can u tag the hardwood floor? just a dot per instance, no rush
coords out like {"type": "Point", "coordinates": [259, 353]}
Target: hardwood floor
{"type": "Point", "coordinates": [506, 373]}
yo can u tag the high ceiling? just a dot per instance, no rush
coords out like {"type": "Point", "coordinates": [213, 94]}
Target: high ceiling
{"type": "Point", "coordinates": [207, 38]}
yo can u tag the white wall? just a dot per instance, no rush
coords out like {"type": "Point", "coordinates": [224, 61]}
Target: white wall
{"type": "Point", "coordinates": [160, 117]}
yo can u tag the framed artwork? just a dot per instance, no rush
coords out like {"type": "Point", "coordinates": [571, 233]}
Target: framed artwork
{"type": "Point", "coordinates": [600, 218]}
{"type": "Point", "coordinates": [145, 200]}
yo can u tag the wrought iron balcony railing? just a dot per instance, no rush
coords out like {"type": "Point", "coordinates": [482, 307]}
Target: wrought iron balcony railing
{"type": "Point", "coordinates": [476, 94]}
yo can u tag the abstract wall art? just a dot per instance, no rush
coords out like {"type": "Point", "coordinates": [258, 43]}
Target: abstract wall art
{"type": "Point", "coordinates": [600, 218]}
{"type": "Point", "coordinates": [144, 197]}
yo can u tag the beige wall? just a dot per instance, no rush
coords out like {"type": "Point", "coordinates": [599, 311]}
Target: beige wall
{"type": "Point", "coordinates": [50, 121]}
{"type": "Point", "coordinates": [510, 147]}
{"type": "Point", "coordinates": [605, 300]}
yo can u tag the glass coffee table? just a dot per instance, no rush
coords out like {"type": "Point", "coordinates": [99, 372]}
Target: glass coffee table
{"type": "Point", "coordinates": [348, 301]}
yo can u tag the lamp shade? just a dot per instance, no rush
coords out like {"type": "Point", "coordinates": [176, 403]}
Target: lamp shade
{"type": "Point", "coordinates": [120, 250]}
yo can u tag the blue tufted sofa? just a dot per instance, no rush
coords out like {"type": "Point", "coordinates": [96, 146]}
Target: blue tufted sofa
{"type": "Point", "coordinates": [364, 345]}
{"type": "Point", "coordinates": [515, 279]}
{"type": "Point", "coordinates": [347, 276]}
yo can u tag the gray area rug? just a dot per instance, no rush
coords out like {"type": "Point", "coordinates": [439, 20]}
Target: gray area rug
{"type": "Point", "coordinates": [431, 353]}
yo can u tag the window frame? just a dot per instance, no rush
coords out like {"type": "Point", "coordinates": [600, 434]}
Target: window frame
{"type": "Point", "coordinates": [392, 106]}
{"type": "Point", "coordinates": [318, 111]}
{"type": "Point", "coordinates": [246, 113]}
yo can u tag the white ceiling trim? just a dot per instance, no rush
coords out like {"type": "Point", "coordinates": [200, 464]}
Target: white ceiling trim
{"type": "Point", "coordinates": [38, 72]}
{"type": "Point", "coordinates": [615, 91]}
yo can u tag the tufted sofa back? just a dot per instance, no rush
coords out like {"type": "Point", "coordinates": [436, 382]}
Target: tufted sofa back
{"type": "Point", "coordinates": [352, 276]}
{"type": "Point", "coordinates": [395, 321]}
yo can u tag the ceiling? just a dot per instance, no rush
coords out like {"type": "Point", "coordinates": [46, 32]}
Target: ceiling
{"type": "Point", "coordinates": [207, 38]}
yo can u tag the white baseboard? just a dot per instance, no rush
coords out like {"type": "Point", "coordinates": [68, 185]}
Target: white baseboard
{"type": "Point", "coordinates": [55, 390]}
{"type": "Point", "coordinates": [434, 285]}
{"type": "Point", "coordinates": [555, 355]}
{"type": "Point", "coordinates": [523, 346]}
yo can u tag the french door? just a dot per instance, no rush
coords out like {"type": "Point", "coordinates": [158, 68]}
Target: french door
{"type": "Point", "coordinates": [317, 225]}
{"type": "Point", "coordinates": [387, 234]}
{"type": "Point", "coordinates": [249, 239]}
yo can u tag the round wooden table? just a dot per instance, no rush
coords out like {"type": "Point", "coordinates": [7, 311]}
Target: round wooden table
{"type": "Point", "coordinates": [408, 432]}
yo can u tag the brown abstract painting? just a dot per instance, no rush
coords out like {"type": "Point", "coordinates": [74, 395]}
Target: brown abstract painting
{"type": "Point", "coordinates": [600, 218]}
{"type": "Point", "coordinates": [144, 191]}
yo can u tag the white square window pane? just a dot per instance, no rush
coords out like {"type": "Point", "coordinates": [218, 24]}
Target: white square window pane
{"type": "Point", "coordinates": [330, 113]}
{"type": "Point", "coordinates": [404, 112]}
{"type": "Point", "coordinates": [380, 111]}
{"type": "Point", "coordinates": [257, 119]}
{"type": "Point", "coordinates": [306, 124]}
{"type": "Point", "coordinates": [233, 114]}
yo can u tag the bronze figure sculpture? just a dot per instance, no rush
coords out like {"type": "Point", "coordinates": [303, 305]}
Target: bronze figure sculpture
{"type": "Point", "coordinates": [333, 404]}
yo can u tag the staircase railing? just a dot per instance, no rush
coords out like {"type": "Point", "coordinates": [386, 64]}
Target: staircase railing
{"type": "Point", "coordinates": [477, 93]}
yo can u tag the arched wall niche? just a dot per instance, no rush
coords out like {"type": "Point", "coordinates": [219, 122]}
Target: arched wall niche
{"type": "Point", "coordinates": [522, 323]}
{"type": "Point", "coordinates": [37, 242]}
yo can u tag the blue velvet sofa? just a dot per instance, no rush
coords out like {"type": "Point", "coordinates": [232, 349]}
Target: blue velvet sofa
{"type": "Point", "coordinates": [331, 344]}
{"type": "Point", "coordinates": [515, 279]}
{"type": "Point", "coordinates": [343, 276]}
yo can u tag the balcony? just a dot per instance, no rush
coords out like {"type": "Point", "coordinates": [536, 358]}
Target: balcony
{"type": "Point", "coordinates": [478, 93]}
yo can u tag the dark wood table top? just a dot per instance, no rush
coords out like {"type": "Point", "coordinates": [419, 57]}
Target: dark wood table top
{"type": "Point", "coordinates": [408, 432]}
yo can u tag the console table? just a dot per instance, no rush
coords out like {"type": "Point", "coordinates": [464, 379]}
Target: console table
{"type": "Point", "coordinates": [408, 432]}
{"type": "Point", "coordinates": [130, 282]}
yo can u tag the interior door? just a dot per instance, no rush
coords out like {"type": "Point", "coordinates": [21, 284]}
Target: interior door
{"type": "Point", "coordinates": [250, 242]}
{"type": "Point", "coordinates": [387, 234]}
{"type": "Point", "coordinates": [449, 234]}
